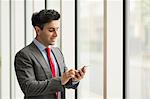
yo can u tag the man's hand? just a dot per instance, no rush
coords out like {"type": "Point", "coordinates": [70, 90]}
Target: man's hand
{"type": "Point", "coordinates": [67, 75]}
{"type": "Point", "coordinates": [79, 74]}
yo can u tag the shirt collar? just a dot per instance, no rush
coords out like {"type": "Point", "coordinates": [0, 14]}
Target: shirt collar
{"type": "Point", "coordinates": [39, 45]}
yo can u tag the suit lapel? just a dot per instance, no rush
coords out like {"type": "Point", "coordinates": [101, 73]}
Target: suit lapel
{"type": "Point", "coordinates": [39, 57]}
{"type": "Point", "coordinates": [58, 59]}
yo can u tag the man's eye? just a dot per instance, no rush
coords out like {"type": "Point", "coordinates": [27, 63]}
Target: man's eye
{"type": "Point", "coordinates": [51, 30]}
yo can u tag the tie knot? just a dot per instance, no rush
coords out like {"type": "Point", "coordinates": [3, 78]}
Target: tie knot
{"type": "Point", "coordinates": [47, 50]}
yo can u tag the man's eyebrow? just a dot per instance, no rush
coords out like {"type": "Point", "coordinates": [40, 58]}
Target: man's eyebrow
{"type": "Point", "coordinates": [52, 27]}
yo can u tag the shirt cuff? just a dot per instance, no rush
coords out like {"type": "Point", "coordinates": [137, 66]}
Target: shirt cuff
{"type": "Point", "coordinates": [75, 82]}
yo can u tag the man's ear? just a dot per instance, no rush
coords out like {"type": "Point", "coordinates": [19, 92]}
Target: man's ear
{"type": "Point", "coordinates": [37, 30]}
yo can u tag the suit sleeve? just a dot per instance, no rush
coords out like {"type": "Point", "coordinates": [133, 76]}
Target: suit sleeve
{"type": "Point", "coordinates": [27, 81]}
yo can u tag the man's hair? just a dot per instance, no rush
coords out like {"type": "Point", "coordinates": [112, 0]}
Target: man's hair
{"type": "Point", "coordinates": [44, 16]}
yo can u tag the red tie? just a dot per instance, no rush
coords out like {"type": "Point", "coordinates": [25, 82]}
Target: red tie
{"type": "Point", "coordinates": [51, 62]}
{"type": "Point", "coordinates": [51, 66]}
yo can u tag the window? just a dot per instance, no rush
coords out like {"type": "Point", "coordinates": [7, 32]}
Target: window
{"type": "Point", "coordinates": [138, 49]}
{"type": "Point", "coordinates": [90, 47]}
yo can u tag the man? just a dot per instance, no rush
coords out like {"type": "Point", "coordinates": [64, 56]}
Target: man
{"type": "Point", "coordinates": [40, 67]}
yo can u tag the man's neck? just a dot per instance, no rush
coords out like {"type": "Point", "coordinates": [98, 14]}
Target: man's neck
{"type": "Point", "coordinates": [40, 41]}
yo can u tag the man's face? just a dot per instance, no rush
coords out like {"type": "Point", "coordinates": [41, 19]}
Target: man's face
{"type": "Point", "coordinates": [48, 35]}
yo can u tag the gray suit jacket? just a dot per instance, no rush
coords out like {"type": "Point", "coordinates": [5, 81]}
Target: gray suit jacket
{"type": "Point", "coordinates": [34, 75]}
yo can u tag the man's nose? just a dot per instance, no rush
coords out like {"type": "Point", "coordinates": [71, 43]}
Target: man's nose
{"type": "Point", "coordinates": [55, 33]}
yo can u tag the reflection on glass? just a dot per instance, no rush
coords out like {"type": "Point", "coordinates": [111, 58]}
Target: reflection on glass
{"type": "Point", "coordinates": [138, 49]}
{"type": "Point", "coordinates": [90, 43]}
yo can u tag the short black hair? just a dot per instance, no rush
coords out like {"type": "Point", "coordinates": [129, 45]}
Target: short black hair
{"type": "Point", "coordinates": [44, 16]}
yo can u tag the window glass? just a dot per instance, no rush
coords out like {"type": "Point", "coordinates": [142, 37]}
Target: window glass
{"type": "Point", "coordinates": [138, 49]}
{"type": "Point", "coordinates": [90, 48]}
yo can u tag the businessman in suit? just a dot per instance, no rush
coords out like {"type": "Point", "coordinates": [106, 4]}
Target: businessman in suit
{"type": "Point", "coordinates": [40, 67]}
